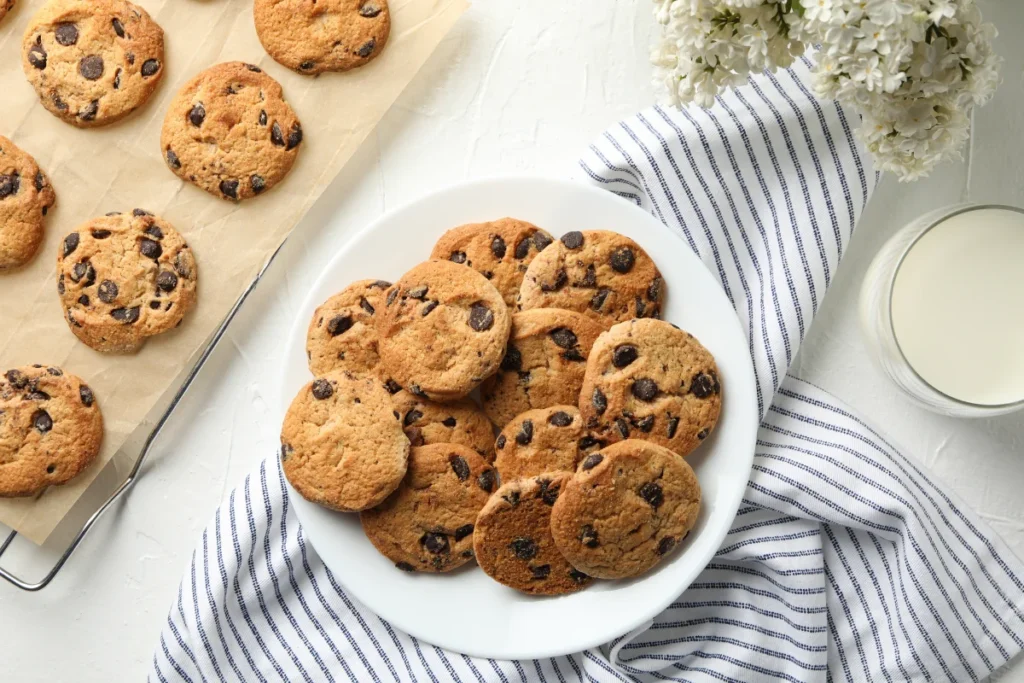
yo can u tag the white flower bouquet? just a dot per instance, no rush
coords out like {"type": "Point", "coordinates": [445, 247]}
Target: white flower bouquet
{"type": "Point", "coordinates": [913, 69]}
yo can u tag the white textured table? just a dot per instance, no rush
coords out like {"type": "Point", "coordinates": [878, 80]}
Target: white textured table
{"type": "Point", "coordinates": [516, 88]}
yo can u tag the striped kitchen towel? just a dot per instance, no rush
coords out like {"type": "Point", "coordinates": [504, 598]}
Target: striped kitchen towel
{"type": "Point", "coordinates": [846, 562]}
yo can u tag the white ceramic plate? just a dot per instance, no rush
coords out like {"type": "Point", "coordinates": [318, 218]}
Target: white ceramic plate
{"type": "Point", "coordinates": [465, 611]}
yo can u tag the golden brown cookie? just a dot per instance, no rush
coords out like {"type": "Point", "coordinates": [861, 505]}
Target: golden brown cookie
{"type": "Point", "coordinates": [92, 62]}
{"type": "Point", "coordinates": [543, 363]}
{"type": "Point", "coordinates": [513, 540]}
{"type": "Point", "coordinates": [123, 278]}
{"type": "Point", "coordinates": [443, 331]}
{"type": "Point", "coordinates": [543, 440]}
{"type": "Point", "coordinates": [627, 506]}
{"type": "Point", "coordinates": [461, 422]}
{"type": "Point", "coordinates": [230, 132]}
{"type": "Point", "coordinates": [25, 196]}
{"type": "Point", "coordinates": [342, 334]}
{"type": "Point", "coordinates": [50, 429]}
{"type": "Point", "coordinates": [313, 36]}
{"type": "Point", "coordinates": [427, 524]}
{"type": "Point", "coordinates": [647, 379]}
{"type": "Point", "coordinates": [499, 250]}
{"type": "Point", "coordinates": [342, 444]}
{"type": "Point", "coordinates": [602, 274]}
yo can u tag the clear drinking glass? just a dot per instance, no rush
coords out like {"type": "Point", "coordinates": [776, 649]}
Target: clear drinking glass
{"type": "Point", "coordinates": [877, 323]}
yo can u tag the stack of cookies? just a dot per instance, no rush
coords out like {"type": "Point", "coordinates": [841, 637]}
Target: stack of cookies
{"type": "Point", "coordinates": [554, 345]}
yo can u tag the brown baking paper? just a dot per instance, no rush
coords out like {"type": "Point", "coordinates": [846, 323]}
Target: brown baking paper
{"type": "Point", "coordinates": [119, 167]}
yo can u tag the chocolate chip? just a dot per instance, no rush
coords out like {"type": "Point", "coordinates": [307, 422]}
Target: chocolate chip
{"type": "Point", "coordinates": [40, 181]}
{"type": "Point", "coordinates": [257, 183]}
{"type": "Point", "coordinates": [150, 248]}
{"type": "Point", "coordinates": [405, 566]}
{"type": "Point", "coordinates": [645, 424]}
{"type": "Point", "coordinates": [90, 111]}
{"type": "Point", "coordinates": [84, 271]}
{"type": "Point", "coordinates": [623, 426]}
{"type": "Point", "coordinates": [512, 498]}
{"type": "Point", "coordinates": [150, 67]}
{"type": "Point", "coordinates": [522, 249]}
{"type": "Point", "coordinates": [369, 10]}
{"type": "Point", "coordinates": [588, 536]}
{"type": "Point", "coordinates": [58, 102]}
{"type": "Point", "coordinates": [392, 387]}
{"type": "Point", "coordinates": [156, 304]}
{"type": "Point", "coordinates": [100, 234]}
{"type": "Point", "coordinates": [276, 136]}
{"type": "Point", "coordinates": [560, 279]}
{"type": "Point", "coordinates": [666, 544]}
{"type": "Point", "coordinates": [17, 379]}
{"type": "Point", "coordinates": [654, 291]}
{"type": "Point", "coordinates": [486, 480]}
{"type": "Point", "coordinates": [577, 576]}
{"type": "Point", "coordinates": [42, 421]}
{"type": "Point", "coordinates": [597, 302]}
{"type": "Point", "coordinates": [263, 118]}
{"type": "Point", "coordinates": [37, 55]}
{"type": "Point", "coordinates": [673, 424]}
{"type": "Point", "coordinates": [573, 240]}
{"type": "Point", "coordinates": [640, 307]}
{"type": "Point", "coordinates": [253, 68]}
{"type": "Point", "coordinates": [197, 114]}
{"type": "Point", "coordinates": [366, 305]}
{"type": "Point", "coordinates": [70, 244]}
{"type": "Point", "coordinates": [549, 493]}
{"type": "Point", "coordinates": [107, 292]}
{"type": "Point", "coordinates": [229, 188]}
{"type": "Point", "coordinates": [599, 401]}
{"type": "Point", "coordinates": [541, 240]}
{"type": "Point", "coordinates": [586, 442]}
{"type": "Point", "coordinates": [60, 285]}
{"type": "Point", "coordinates": [366, 49]}
{"type": "Point", "coordinates": [415, 390]}
{"type": "Point", "coordinates": [463, 531]}
{"type": "Point", "coordinates": [130, 57]}
{"type": "Point", "coordinates": [66, 34]}
{"type": "Point", "coordinates": [86, 396]}
{"type": "Point", "coordinates": [525, 434]}
{"type": "Point", "coordinates": [481, 318]}
{"type": "Point", "coordinates": [172, 160]}
{"type": "Point", "coordinates": [513, 360]}
{"type": "Point", "coordinates": [435, 543]}
{"type": "Point", "coordinates": [182, 264]}
{"type": "Point", "coordinates": [91, 67]}
{"type": "Point", "coordinates": [379, 284]}
{"type": "Point", "coordinates": [623, 355]}
{"type": "Point", "coordinates": [457, 257]}
{"type": "Point", "coordinates": [541, 572]}
{"type": "Point", "coordinates": [459, 466]}
{"type": "Point", "coordinates": [37, 396]}
{"type": "Point", "coordinates": [560, 419]}
{"type": "Point", "coordinates": [418, 292]}
{"type": "Point", "coordinates": [307, 65]}
{"type": "Point", "coordinates": [500, 443]}
{"type": "Point", "coordinates": [703, 385]}
{"type": "Point", "coordinates": [651, 492]}
{"type": "Point", "coordinates": [338, 325]}
{"type": "Point", "coordinates": [523, 548]}
{"type": "Point", "coordinates": [294, 137]}
{"type": "Point", "coordinates": [166, 280]}
{"type": "Point", "coordinates": [431, 305]}
{"type": "Point", "coordinates": [56, 372]}
{"type": "Point", "coordinates": [563, 337]}
{"type": "Point", "coordinates": [644, 389]}
{"type": "Point", "coordinates": [392, 295]}
{"type": "Point", "coordinates": [622, 260]}
{"type": "Point", "coordinates": [703, 434]}
{"type": "Point", "coordinates": [322, 389]}
{"type": "Point", "coordinates": [126, 315]}
{"type": "Point", "coordinates": [449, 422]}
{"type": "Point", "coordinates": [84, 300]}
{"type": "Point", "coordinates": [498, 247]}
{"type": "Point", "coordinates": [9, 185]}
{"type": "Point", "coordinates": [592, 461]}
{"type": "Point", "coordinates": [118, 27]}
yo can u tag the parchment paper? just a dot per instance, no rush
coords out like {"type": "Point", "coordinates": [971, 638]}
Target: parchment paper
{"type": "Point", "coordinates": [119, 167]}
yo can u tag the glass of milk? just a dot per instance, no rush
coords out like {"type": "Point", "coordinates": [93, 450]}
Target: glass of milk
{"type": "Point", "coordinates": [942, 308]}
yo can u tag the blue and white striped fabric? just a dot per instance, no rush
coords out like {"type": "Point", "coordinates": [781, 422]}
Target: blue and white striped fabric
{"type": "Point", "coordinates": [846, 562]}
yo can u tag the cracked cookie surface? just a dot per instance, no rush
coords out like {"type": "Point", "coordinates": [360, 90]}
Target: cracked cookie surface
{"type": "Point", "coordinates": [26, 196]}
{"type": "Point", "coordinates": [647, 379]}
{"type": "Point", "coordinates": [443, 330]}
{"type": "Point", "coordinates": [543, 365]}
{"type": "Point", "coordinates": [342, 334]}
{"type": "Point", "coordinates": [542, 440]}
{"type": "Point", "coordinates": [499, 250]}
{"type": "Point", "coordinates": [513, 540]}
{"type": "Point", "coordinates": [92, 62]}
{"type": "Point", "coordinates": [427, 524]}
{"type": "Point", "coordinates": [123, 278]}
{"type": "Point", "coordinates": [314, 36]}
{"type": "Point", "coordinates": [230, 132]}
{"type": "Point", "coordinates": [461, 422]}
{"type": "Point", "coordinates": [342, 444]}
{"type": "Point", "coordinates": [626, 508]}
{"type": "Point", "coordinates": [51, 429]}
{"type": "Point", "coordinates": [601, 274]}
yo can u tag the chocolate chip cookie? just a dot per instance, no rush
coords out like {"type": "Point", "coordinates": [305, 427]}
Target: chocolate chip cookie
{"type": "Point", "coordinates": [499, 250]}
{"type": "Point", "coordinates": [604, 275]}
{"type": "Point", "coordinates": [230, 132]}
{"type": "Point", "coordinates": [647, 379]}
{"type": "Point", "coordinates": [342, 444]}
{"type": "Point", "coordinates": [626, 507]}
{"type": "Point", "coordinates": [342, 334]}
{"type": "Point", "coordinates": [123, 278]}
{"type": "Point", "coordinates": [92, 62]}
{"type": "Point", "coordinates": [427, 524]}
{"type": "Point", "coordinates": [25, 197]}
{"type": "Point", "coordinates": [5, 7]}
{"type": "Point", "coordinates": [50, 429]}
{"type": "Point", "coordinates": [513, 540]}
{"type": "Point", "coordinates": [543, 363]}
{"type": "Point", "coordinates": [313, 36]}
{"type": "Point", "coordinates": [443, 330]}
{"type": "Point", "coordinates": [543, 440]}
{"type": "Point", "coordinates": [462, 422]}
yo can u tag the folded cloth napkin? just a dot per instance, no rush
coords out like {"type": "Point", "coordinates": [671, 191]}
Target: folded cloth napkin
{"type": "Point", "coordinates": [846, 561]}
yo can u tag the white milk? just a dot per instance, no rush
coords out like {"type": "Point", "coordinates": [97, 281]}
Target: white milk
{"type": "Point", "coordinates": [958, 306]}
